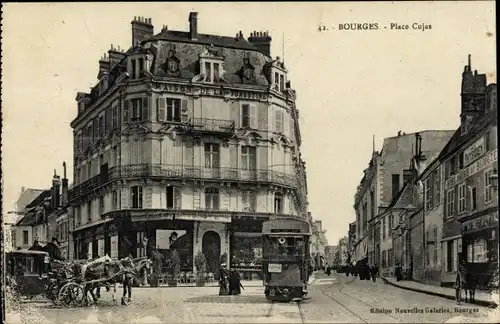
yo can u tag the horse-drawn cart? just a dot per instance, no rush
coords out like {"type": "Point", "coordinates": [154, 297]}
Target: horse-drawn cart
{"type": "Point", "coordinates": [74, 292]}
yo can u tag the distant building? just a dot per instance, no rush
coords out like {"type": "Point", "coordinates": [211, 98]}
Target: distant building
{"type": "Point", "coordinates": [330, 251]}
{"type": "Point", "coordinates": [342, 250]}
{"type": "Point", "coordinates": [318, 243]}
{"type": "Point", "coordinates": [382, 181]}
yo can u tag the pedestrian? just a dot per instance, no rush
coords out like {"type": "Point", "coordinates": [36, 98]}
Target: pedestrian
{"type": "Point", "coordinates": [374, 271]}
{"type": "Point", "coordinates": [234, 283]}
{"type": "Point", "coordinates": [398, 272]}
{"type": "Point", "coordinates": [223, 284]}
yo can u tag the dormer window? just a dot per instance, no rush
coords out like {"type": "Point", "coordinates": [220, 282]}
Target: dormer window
{"type": "Point", "coordinates": [211, 66]}
{"type": "Point", "coordinates": [136, 67]}
{"type": "Point", "coordinates": [277, 77]}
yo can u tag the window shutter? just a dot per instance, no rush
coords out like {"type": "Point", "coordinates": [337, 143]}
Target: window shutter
{"type": "Point", "coordinates": [177, 197]}
{"type": "Point", "coordinates": [285, 123]}
{"type": "Point", "coordinates": [431, 190]}
{"type": "Point", "coordinates": [438, 187]}
{"type": "Point", "coordinates": [244, 198]}
{"type": "Point", "coordinates": [145, 109]}
{"type": "Point", "coordinates": [253, 116]}
{"type": "Point", "coordinates": [188, 155]}
{"type": "Point", "coordinates": [233, 155]}
{"type": "Point", "coordinates": [160, 109]}
{"type": "Point", "coordinates": [109, 119]}
{"type": "Point", "coordinates": [126, 107]}
{"type": "Point", "coordinates": [184, 110]}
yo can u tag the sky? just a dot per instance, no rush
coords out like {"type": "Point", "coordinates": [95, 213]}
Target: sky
{"type": "Point", "coordinates": [350, 85]}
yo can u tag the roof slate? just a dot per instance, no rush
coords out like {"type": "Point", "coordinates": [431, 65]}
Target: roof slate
{"type": "Point", "coordinates": [204, 39]}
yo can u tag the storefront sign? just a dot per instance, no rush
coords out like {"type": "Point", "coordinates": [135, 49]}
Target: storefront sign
{"type": "Point", "coordinates": [151, 216]}
{"type": "Point", "coordinates": [217, 92]}
{"type": "Point", "coordinates": [207, 218]}
{"type": "Point", "coordinates": [480, 223]}
{"type": "Point", "coordinates": [474, 151]}
{"type": "Point", "coordinates": [474, 168]}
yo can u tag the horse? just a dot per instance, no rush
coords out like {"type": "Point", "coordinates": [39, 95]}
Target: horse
{"type": "Point", "coordinates": [107, 268]}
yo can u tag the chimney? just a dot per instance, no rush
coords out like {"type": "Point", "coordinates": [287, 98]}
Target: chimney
{"type": "Point", "coordinates": [56, 191]}
{"type": "Point", "coordinates": [64, 195]}
{"type": "Point", "coordinates": [142, 29]}
{"type": "Point", "coordinates": [262, 41]}
{"type": "Point", "coordinates": [115, 55]}
{"type": "Point", "coordinates": [193, 25]}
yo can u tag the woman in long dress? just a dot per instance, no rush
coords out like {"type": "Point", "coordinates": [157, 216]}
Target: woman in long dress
{"type": "Point", "coordinates": [223, 274]}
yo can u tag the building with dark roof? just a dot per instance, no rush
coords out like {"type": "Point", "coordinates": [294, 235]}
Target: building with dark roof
{"type": "Point", "coordinates": [460, 195]}
{"type": "Point", "coordinates": [189, 133]}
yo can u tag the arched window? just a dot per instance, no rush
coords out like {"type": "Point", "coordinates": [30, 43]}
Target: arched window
{"type": "Point", "coordinates": [212, 198]}
{"type": "Point", "coordinates": [278, 203]}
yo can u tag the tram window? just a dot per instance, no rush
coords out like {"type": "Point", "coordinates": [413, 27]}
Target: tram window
{"type": "Point", "coordinates": [284, 247]}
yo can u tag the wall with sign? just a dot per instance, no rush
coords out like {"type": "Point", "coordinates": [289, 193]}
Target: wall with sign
{"type": "Point", "coordinates": [473, 152]}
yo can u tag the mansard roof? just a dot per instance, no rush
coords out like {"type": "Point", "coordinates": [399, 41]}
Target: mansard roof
{"type": "Point", "coordinates": [205, 39]}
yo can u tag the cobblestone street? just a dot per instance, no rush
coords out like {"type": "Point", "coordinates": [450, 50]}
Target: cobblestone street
{"type": "Point", "coordinates": [336, 299]}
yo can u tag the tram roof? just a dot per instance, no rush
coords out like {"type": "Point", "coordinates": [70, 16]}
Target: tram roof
{"type": "Point", "coordinates": [28, 252]}
{"type": "Point", "coordinates": [284, 224]}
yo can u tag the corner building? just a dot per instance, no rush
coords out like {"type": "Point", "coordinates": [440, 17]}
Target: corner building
{"type": "Point", "coordinates": [188, 135]}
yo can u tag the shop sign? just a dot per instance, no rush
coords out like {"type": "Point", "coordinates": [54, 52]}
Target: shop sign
{"type": "Point", "coordinates": [474, 168]}
{"type": "Point", "coordinates": [207, 218]}
{"type": "Point", "coordinates": [480, 223]}
{"type": "Point", "coordinates": [474, 151]}
{"type": "Point", "coordinates": [150, 216]}
{"type": "Point", "coordinates": [206, 91]}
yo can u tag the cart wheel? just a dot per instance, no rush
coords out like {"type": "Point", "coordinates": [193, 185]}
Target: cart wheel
{"type": "Point", "coordinates": [71, 295]}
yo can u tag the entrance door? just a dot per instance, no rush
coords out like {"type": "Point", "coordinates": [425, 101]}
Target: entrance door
{"type": "Point", "coordinates": [211, 248]}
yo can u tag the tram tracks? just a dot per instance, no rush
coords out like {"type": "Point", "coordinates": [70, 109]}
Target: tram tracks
{"type": "Point", "coordinates": [340, 291]}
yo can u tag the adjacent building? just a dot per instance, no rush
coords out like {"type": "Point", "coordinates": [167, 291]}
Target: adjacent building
{"type": "Point", "coordinates": [447, 209]}
{"type": "Point", "coordinates": [188, 140]}
{"type": "Point", "coordinates": [461, 199]}
{"type": "Point", "coordinates": [39, 220]}
{"type": "Point", "coordinates": [351, 240]}
{"type": "Point", "coordinates": [382, 181]}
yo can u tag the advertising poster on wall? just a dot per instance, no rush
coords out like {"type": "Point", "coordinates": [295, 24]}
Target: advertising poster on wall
{"type": "Point", "coordinates": [165, 238]}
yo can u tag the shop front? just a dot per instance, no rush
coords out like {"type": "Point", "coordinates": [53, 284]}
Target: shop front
{"type": "Point", "coordinates": [246, 246]}
{"type": "Point", "coordinates": [94, 241]}
{"type": "Point", "coordinates": [187, 232]}
{"type": "Point", "coordinates": [480, 246]}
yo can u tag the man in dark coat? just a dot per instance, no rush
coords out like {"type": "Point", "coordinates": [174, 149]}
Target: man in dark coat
{"type": "Point", "coordinates": [234, 283]}
{"type": "Point", "coordinates": [398, 272]}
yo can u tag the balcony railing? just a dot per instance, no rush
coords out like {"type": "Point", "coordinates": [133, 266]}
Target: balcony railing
{"type": "Point", "coordinates": [209, 125]}
{"type": "Point", "coordinates": [175, 171]}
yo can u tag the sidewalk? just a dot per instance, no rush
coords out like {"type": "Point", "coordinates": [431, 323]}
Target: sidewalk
{"type": "Point", "coordinates": [482, 298]}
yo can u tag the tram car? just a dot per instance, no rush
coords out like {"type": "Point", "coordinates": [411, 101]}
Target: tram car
{"type": "Point", "coordinates": [285, 259]}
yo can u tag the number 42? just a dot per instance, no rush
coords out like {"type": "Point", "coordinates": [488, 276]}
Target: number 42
{"type": "Point", "coordinates": [322, 28]}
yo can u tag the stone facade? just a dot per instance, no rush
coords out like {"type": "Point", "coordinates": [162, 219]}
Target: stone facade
{"type": "Point", "coordinates": [197, 129]}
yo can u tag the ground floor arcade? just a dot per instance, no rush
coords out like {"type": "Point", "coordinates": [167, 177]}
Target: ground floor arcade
{"type": "Point", "coordinates": [218, 235]}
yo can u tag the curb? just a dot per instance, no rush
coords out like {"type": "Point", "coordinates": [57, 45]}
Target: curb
{"type": "Point", "coordinates": [432, 293]}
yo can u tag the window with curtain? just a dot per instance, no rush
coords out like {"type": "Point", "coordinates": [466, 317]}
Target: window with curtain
{"type": "Point", "coordinates": [249, 200]}
{"type": "Point", "coordinates": [212, 198]}
{"type": "Point", "coordinates": [248, 158]}
{"type": "Point", "coordinates": [212, 155]}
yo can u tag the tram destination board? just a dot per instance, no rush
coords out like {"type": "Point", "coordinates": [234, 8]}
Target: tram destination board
{"type": "Point", "coordinates": [285, 230]}
{"type": "Point", "coordinates": [274, 268]}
